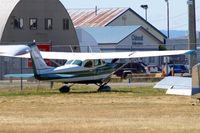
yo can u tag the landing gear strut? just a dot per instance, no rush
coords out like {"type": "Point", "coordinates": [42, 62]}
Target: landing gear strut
{"type": "Point", "coordinates": [103, 87]}
{"type": "Point", "coordinates": [64, 89]}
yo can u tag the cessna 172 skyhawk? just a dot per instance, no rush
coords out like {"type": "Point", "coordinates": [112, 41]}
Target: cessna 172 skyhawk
{"type": "Point", "coordinates": [84, 68]}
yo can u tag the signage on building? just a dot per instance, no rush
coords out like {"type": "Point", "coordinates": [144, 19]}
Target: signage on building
{"type": "Point", "coordinates": [137, 40]}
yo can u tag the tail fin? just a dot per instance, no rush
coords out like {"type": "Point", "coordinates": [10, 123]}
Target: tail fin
{"type": "Point", "coordinates": [39, 65]}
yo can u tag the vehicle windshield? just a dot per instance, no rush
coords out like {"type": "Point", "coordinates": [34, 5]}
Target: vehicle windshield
{"type": "Point", "coordinates": [77, 62]}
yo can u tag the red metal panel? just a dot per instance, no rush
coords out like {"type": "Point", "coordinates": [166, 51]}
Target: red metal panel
{"type": "Point", "coordinates": [41, 47]}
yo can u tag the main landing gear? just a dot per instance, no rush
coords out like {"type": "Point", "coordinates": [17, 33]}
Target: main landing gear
{"type": "Point", "coordinates": [104, 88]}
{"type": "Point", "coordinates": [64, 89]}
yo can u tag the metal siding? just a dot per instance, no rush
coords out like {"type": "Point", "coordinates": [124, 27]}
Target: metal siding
{"type": "Point", "coordinates": [111, 17]}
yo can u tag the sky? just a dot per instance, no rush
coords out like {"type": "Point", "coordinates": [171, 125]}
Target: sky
{"type": "Point", "coordinates": [157, 10]}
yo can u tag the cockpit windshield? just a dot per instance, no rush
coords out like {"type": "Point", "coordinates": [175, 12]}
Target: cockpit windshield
{"type": "Point", "coordinates": [74, 62]}
{"type": "Point", "coordinates": [77, 62]}
{"type": "Point", "coordinates": [69, 62]}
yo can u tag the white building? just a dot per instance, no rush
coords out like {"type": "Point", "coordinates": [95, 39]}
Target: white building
{"type": "Point", "coordinates": [118, 38]}
{"type": "Point", "coordinates": [102, 17]}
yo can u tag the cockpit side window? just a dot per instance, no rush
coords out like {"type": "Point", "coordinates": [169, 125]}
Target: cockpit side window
{"type": "Point", "coordinates": [103, 62]}
{"type": "Point", "coordinates": [77, 62]}
{"type": "Point", "coordinates": [97, 62]}
{"type": "Point", "coordinates": [88, 64]}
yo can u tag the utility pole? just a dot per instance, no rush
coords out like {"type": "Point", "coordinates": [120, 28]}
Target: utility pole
{"type": "Point", "coordinates": [192, 33]}
{"type": "Point", "coordinates": [166, 59]}
{"type": "Point", "coordinates": [167, 1]}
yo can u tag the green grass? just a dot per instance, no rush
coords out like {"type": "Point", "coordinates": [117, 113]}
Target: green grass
{"type": "Point", "coordinates": [80, 89]}
{"type": "Point", "coordinates": [140, 91]}
{"type": "Point", "coordinates": [28, 92]}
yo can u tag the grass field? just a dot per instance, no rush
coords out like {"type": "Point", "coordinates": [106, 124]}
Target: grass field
{"type": "Point", "coordinates": [83, 110]}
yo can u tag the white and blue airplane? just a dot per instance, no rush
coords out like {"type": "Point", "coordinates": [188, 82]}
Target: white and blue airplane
{"type": "Point", "coordinates": [83, 68]}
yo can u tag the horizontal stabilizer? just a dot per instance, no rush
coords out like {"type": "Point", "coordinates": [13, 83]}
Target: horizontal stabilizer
{"type": "Point", "coordinates": [13, 50]}
{"type": "Point", "coordinates": [19, 75]}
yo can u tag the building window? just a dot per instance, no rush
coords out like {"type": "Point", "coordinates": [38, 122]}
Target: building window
{"type": "Point", "coordinates": [48, 23]}
{"type": "Point", "coordinates": [33, 23]}
{"type": "Point", "coordinates": [65, 24]}
{"type": "Point", "coordinates": [18, 23]}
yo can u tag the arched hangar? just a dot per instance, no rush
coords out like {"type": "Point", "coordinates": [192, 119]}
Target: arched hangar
{"type": "Point", "coordinates": [40, 20]}
{"type": "Point", "coordinates": [46, 21]}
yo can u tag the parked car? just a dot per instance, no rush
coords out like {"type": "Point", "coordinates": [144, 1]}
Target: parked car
{"type": "Point", "coordinates": [153, 68]}
{"type": "Point", "coordinates": [179, 68]}
{"type": "Point", "coordinates": [133, 67]}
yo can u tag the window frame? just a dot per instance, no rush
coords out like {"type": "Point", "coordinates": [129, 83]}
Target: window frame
{"type": "Point", "coordinates": [18, 23]}
{"type": "Point", "coordinates": [32, 27]}
{"type": "Point", "coordinates": [90, 65]}
{"type": "Point", "coordinates": [66, 24]}
{"type": "Point", "coordinates": [46, 20]}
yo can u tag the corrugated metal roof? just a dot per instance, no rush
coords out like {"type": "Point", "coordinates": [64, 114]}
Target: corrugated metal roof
{"type": "Point", "coordinates": [88, 17]}
{"type": "Point", "coordinates": [6, 7]}
{"type": "Point", "coordinates": [92, 18]}
{"type": "Point", "coordinates": [110, 34]}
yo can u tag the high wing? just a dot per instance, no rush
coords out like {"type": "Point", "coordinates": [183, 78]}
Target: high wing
{"type": "Point", "coordinates": [21, 50]}
{"type": "Point", "coordinates": [109, 55]}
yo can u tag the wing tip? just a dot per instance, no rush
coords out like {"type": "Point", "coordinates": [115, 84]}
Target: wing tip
{"type": "Point", "coordinates": [189, 52]}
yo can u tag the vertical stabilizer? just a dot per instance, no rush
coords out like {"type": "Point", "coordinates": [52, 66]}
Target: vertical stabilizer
{"type": "Point", "coordinates": [39, 65]}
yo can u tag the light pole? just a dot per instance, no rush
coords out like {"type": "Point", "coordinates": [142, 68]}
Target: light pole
{"type": "Point", "coordinates": [167, 1]}
{"type": "Point", "coordinates": [145, 7]}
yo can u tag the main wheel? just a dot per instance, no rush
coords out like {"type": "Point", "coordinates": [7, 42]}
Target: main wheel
{"type": "Point", "coordinates": [64, 89]}
{"type": "Point", "coordinates": [104, 88]}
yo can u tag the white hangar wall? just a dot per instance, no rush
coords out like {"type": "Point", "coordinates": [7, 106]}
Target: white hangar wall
{"type": "Point", "coordinates": [87, 41]}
